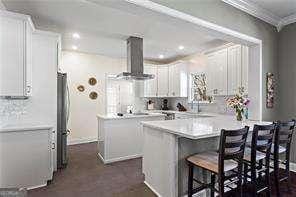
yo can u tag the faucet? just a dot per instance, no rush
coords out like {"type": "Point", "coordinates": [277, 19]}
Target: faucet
{"type": "Point", "coordinates": [198, 108]}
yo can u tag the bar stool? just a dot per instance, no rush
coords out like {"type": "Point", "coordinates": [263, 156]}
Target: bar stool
{"type": "Point", "coordinates": [226, 165]}
{"type": "Point", "coordinates": [281, 146]}
{"type": "Point", "coordinates": [260, 150]}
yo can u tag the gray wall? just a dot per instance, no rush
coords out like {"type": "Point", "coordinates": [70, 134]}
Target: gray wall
{"type": "Point", "coordinates": [287, 75]}
{"type": "Point", "coordinates": [222, 14]}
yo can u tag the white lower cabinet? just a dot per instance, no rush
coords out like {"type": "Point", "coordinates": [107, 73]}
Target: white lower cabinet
{"type": "Point", "coordinates": [121, 139]}
{"type": "Point", "coordinates": [26, 158]}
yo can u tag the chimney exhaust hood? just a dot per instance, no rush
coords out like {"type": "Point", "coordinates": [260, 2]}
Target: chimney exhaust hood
{"type": "Point", "coordinates": [135, 61]}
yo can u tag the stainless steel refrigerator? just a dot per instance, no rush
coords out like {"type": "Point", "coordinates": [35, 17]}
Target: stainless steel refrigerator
{"type": "Point", "coordinates": [63, 102]}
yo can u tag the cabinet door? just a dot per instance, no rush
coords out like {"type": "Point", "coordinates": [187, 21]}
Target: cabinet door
{"type": "Point", "coordinates": [178, 80]}
{"type": "Point", "coordinates": [29, 61]}
{"type": "Point", "coordinates": [221, 72]}
{"type": "Point", "coordinates": [12, 43]}
{"type": "Point", "coordinates": [210, 74]}
{"type": "Point", "coordinates": [173, 80]}
{"type": "Point", "coordinates": [244, 70]}
{"type": "Point", "coordinates": [163, 81]}
{"type": "Point", "coordinates": [150, 86]}
{"type": "Point", "coordinates": [234, 69]}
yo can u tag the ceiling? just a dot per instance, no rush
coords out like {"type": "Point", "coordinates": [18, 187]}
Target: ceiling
{"type": "Point", "coordinates": [104, 26]}
{"type": "Point", "coordinates": [276, 12]}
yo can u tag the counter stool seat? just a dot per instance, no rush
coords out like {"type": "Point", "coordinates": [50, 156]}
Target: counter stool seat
{"type": "Point", "coordinates": [210, 162]}
{"type": "Point", "coordinates": [247, 155]}
{"type": "Point", "coordinates": [281, 148]}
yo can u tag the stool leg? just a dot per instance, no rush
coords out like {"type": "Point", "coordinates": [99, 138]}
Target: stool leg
{"type": "Point", "coordinates": [288, 171]}
{"type": "Point", "coordinates": [276, 176]}
{"type": "Point", "coordinates": [213, 185]}
{"type": "Point", "coordinates": [245, 174]}
{"type": "Point", "coordinates": [267, 176]}
{"type": "Point", "coordinates": [190, 180]}
{"type": "Point", "coordinates": [253, 179]}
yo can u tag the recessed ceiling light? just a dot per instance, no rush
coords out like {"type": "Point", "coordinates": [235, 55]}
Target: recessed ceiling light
{"type": "Point", "coordinates": [74, 47]}
{"type": "Point", "coordinates": [181, 47]}
{"type": "Point", "coordinates": [76, 35]}
{"type": "Point", "coordinates": [161, 56]}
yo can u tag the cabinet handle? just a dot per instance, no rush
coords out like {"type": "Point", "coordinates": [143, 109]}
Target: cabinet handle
{"type": "Point", "coordinates": [53, 146]}
{"type": "Point", "coordinates": [29, 89]}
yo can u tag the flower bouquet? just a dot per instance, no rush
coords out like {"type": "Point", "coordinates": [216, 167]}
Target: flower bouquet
{"type": "Point", "coordinates": [239, 104]}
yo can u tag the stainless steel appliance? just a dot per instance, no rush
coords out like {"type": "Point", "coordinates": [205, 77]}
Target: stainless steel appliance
{"type": "Point", "coordinates": [135, 67]}
{"type": "Point", "coordinates": [63, 102]}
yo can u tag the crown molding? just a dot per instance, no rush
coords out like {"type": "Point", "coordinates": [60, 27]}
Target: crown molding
{"type": "Point", "coordinates": [255, 10]}
{"type": "Point", "coordinates": [261, 13]}
{"type": "Point", "coordinates": [286, 21]}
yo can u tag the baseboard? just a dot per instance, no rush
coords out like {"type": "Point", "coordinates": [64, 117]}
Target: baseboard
{"type": "Point", "coordinates": [292, 167]}
{"type": "Point", "coordinates": [107, 161]}
{"type": "Point", "coordinates": [81, 141]}
{"type": "Point", "coordinates": [152, 189]}
{"type": "Point", "coordinates": [202, 193]}
{"type": "Point", "coordinates": [37, 186]}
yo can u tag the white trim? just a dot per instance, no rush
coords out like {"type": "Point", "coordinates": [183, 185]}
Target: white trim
{"type": "Point", "coordinates": [207, 25]}
{"type": "Point", "coordinates": [192, 19]}
{"type": "Point", "coordinates": [261, 13]}
{"type": "Point", "coordinates": [255, 10]}
{"type": "Point", "coordinates": [202, 193]}
{"type": "Point", "coordinates": [292, 166]}
{"type": "Point", "coordinates": [107, 161]}
{"type": "Point", "coordinates": [36, 186]}
{"type": "Point", "coordinates": [81, 141]}
{"type": "Point", "coordinates": [152, 189]}
{"type": "Point", "coordinates": [286, 21]}
{"type": "Point", "coordinates": [18, 16]}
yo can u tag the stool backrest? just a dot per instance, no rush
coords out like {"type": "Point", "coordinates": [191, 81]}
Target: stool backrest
{"type": "Point", "coordinates": [283, 135]}
{"type": "Point", "coordinates": [262, 137]}
{"type": "Point", "coordinates": [232, 145]}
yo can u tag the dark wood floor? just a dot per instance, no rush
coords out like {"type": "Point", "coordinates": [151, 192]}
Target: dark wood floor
{"type": "Point", "coordinates": [87, 176]}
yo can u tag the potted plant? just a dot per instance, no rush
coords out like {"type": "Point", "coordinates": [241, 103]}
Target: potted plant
{"type": "Point", "coordinates": [239, 104]}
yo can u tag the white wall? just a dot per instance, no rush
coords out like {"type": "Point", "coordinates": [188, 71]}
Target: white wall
{"type": "Point", "coordinates": [80, 67]}
{"type": "Point", "coordinates": [2, 7]}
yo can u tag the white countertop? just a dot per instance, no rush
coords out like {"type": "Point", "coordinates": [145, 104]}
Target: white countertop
{"type": "Point", "coordinates": [24, 127]}
{"type": "Point", "coordinates": [128, 116]}
{"type": "Point", "coordinates": [201, 127]}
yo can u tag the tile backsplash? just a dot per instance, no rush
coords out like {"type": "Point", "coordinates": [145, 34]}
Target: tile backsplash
{"type": "Point", "coordinates": [218, 105]}
{"type": "Point", "coordinates": [12, 110]}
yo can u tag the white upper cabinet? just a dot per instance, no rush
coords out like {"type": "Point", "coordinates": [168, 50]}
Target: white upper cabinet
{"type": "Point", "coordinates": [150, 86]}
{"type": "Point", "coordinates": [227, 71]}
{"type": "Point", "coordinates": [170, 80]}
{"type": "Point", "coordinates": [162, 81]}
{"type": "Point", "coordinates": [244, 69]}
{"type": "Point", "coordinates": [178, 79]}
{"type": "Point", "coordinates": [216, 73]}
{"type": "Point", "coordinates": [234, 69]}
{"type": "Point", "coordinates": [15, 55]}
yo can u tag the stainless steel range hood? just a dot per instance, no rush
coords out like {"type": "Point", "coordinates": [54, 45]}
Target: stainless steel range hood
{"type": "Point", "coordinates": [135, 66]}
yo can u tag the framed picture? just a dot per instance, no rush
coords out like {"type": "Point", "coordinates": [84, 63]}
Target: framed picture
{"type": "Point", "coordinates": [269, 90]}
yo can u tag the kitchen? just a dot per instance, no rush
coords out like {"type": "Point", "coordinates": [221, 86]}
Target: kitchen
{"type": "Point", "coordinates": [126, 92]}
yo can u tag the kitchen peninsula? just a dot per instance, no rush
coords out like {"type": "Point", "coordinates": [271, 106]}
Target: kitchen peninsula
{"type": "Point", "coordinates": [168, 143]}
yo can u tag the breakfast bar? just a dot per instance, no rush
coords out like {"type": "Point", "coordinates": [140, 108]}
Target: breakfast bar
{"type": "Point", "coordinates": [168, 143]}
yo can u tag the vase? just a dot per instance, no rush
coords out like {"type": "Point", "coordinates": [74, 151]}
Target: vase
{"type": "Point", "coordinates": [239, 116]}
